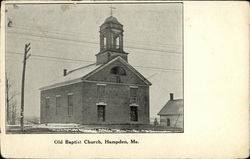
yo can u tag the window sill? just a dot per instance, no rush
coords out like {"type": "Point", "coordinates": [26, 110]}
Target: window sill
{"type": "Point", "coordinates": [101, 103]}
{"type": "Point", "coordinates": [134, 104]}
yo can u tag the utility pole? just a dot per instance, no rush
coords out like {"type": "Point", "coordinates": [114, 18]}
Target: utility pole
{"type": "Point", "coordinates": [26, 50]}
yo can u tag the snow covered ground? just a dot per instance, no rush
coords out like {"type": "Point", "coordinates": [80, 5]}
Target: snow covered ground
{"type": "Point", "coordinates": [76, 128]}
{"type": "Point", "coordinates": [58, 125]}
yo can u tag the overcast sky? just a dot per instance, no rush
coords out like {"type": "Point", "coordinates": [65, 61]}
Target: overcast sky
{"type": "Point", "coordinates": [152, 37]}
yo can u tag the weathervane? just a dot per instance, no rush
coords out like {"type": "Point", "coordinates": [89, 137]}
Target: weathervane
{"type": "Point", "coordinates": [111, 11]}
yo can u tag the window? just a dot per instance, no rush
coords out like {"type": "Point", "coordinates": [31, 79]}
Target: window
{"type": "Point", "coordinates": [70, 104]}
{"type": "Point", "coordinates": [47, 105]}
{"type": "Point", "coordinates": [101, 93]}
{"type": "Point", "coordinates": [133, 95]}
{"type": "Point", "coordinates": [118, 79]}
{"type": "Point", "coordinates": [47, 102]}
{"type": "Point", "coordinates": [133, 113]}
{"type": "Point", "coordinates": [117, 70]}
{"type": "Point", "coordinates": [101, 112]}
{"type": "Point", "coordinates": [58, 104]}
{"type": "Point", "coordinates": [168, 122]}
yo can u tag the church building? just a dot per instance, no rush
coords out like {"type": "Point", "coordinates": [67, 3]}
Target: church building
{"type": "Point", "coordinates": [109, 91]}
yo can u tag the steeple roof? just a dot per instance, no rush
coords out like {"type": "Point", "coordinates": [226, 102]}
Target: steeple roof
{"type": "Point", "coordinates": [112, 19]}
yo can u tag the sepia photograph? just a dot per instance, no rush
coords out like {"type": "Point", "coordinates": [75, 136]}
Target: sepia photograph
{"type": "Point", "coordinates": [94, 68]}
{"type": "Point", "coordinates": [116, 79]}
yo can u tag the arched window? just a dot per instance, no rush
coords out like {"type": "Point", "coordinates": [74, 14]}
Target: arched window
{"type": "Point", "coordinates": [168, 122]}
{"type": "Point", "coordinates": [118, 71]}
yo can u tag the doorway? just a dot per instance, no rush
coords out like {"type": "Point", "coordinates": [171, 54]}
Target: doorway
{"type": "Point", "coordinates": [101, 113]}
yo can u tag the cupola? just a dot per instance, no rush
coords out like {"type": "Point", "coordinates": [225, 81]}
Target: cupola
{"type": "Point", "coordinates": [111, 41]}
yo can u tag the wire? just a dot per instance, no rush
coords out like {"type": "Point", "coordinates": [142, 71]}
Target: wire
{"type": "Point", "coordinates": [77, 60]}
{"type": "Point", "coordinates": [55, 38]}
{"type": "Point", "coordinates": [52, 57]}
{"type": "Point", "coordinates": [36, 58]}
{"type": "Point", "coordinates": [158, 68]}
{"type": "Point", "coordinates": [51, 50]}
{"type": "Point", "coordinates": [95, 43]}
{"type": "Point", "coordinates": [77, 34]}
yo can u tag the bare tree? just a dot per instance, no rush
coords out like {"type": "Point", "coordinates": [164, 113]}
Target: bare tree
{"type": "Point", "coordinates": [7, 89]}
{"type": "Point", "coordinates": [11, 105]}
{"type": "Point", "coordinates": [156, 122]}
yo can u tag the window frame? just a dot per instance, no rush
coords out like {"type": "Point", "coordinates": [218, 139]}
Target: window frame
{"type": "Point", "coordinates": [47, 107]}
{"type": "Point", "coordinates": [58, 103]}
{"type": "Point", "coordinates": [47, 102]}
{"type": "Point", "coordinates": [101, 94]}
{"type": "Point", "coordinates": [70, 106]}
{"type": "Point", "coordinates": [133, 99]}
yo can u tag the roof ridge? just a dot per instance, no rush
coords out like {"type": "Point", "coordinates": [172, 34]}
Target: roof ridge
{"type": "Point", "coordinates": [80, 68]}
{"type": "Point", "coordinates": [101, 66]}
{"type": "Point", "coordinates": [172, 107]}
{"type": "Point", "coordinates": [132, 68]}
{"type": "Point", "coordinates": [174, 100]}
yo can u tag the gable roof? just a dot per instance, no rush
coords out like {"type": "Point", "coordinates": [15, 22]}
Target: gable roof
{"type": "Point", "coordinates": [126, 64]}
{"type": "Point", "coordinates": [82, 73]}
{"type": "Point", "coordinates": [72, 76]}
{"type": "Point", "coordinates": [172, 107]}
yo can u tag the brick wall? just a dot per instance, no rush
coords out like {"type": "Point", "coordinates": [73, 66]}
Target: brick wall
{"type": "Point", "coordinates": [62, 115]}
{"type": "Point", "coordinates": [85, 104]}
{"type": "Point", "coordinates": [117, 104]}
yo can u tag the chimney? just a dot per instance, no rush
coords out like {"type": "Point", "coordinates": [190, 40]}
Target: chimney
{"type": "Point", "coordinates": [171, 96]}
{"type": "Point", "coordinates": [64, 72]}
